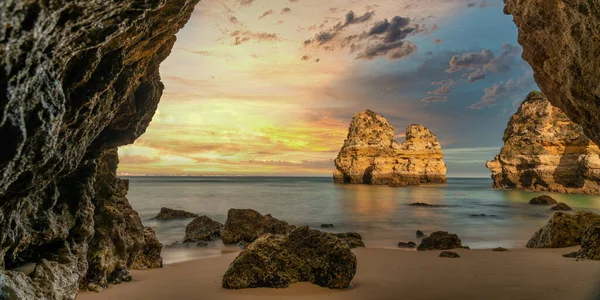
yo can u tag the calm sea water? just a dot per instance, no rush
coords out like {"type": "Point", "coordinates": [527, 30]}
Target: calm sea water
{"type": "Point", "coordinates": [380, 213]}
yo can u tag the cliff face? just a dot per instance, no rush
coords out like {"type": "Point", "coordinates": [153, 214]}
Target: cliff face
{"type": "Point", "coordinates": [545, 151]}
{"type": "Point", "coordinates": [76, 78]}
{"type": "Point", "coordinates": [561, 42]}
{"type": "Point", "coordinates": [371, 155]}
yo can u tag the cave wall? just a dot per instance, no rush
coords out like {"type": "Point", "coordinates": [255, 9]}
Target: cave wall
{"type": "Point", "coordinates": [77, 79]}
{"type": "Point", "coordinates": [561, 42]}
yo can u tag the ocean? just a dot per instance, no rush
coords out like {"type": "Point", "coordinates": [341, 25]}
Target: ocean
{"type": "Point", "coordinates": [381, 214]}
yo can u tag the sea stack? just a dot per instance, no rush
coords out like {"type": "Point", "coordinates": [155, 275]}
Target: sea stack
{"type": "Point", "coordinates": [370, 154]}
{"type": "Point", "coordinates": [545, 151]}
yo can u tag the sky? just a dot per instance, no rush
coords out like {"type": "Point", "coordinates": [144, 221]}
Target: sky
{"type": "Point", "coordinates": [269, 87]}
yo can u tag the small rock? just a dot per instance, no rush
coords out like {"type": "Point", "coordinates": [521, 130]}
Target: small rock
{"type": "Point", "coordinates": [561, 206]}
{"type": "Point", "coordinates": [423, 204]}
{"type": "Point", "coordinates": [202, 228]}
{"type": "Point", "coordinates": [327, 226]}
{"type": "Point", "coordinates": [500, 249]}
{"type": "Point", "coordinates": [420, 234]}
{"type": "Point", "coordinates": [409, 245]}
{"type": "Point", "coordinates": [466, 247]}
{"type": "Point", "coordinates": [174, 214]}
{"type": "Point", "coordinates": [542, 200]}
{"type": "Point", "coordinates": [352, 239]}
{"type": "Point", "coordinates": [440, 240]}
{"type": "Point", "coordinates": [202, 244]}
{"type": "Point", "coordinates": [449, 254]}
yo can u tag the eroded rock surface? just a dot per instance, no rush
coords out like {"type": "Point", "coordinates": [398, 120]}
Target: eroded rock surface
{"type": "Point", "coordinates": [246, 225]}
{"type": "Point", "coordinates": [76, 78]}
{"type": "Point", "coordinates": [149, 256]}
{"type": "Point", "coordinates": [305, 255]}
{"type": "Point", "coordinates": [561, 42]}
{"type": "Point", "coordinates": [590, 242]}
{"type": "Point", "coordinates": [202, 228]}
{"type": "Point", "coordinates": [543, 200]}
{"type": "Point", "coordinates": [440, 240]}
{"type": "Point", "coordinates": [563, 230]}
{"type": "Point", "coordinates": [174, 214]}
{"type": "Point", "coordinates": [352, 239]}
{"type": "Point", "coordinates": [371, 155]}
{"type": "Point", "coordinates": [545, 151]}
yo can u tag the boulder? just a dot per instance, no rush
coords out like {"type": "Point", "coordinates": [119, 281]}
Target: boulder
{"type": "Point", "coordinates": [440, 240]}
{"type": "Point", "coordinates": [449, 254]}
{"type": "Point", "coordinates": [174, 214]}
{"type": "Point", "coordinates": [371, 155]}
{"type": "Point", "coordinates": [202, 228]}
{"type": "Point", "coordinates": [327, 226]}
{"type": "Point", "coordinates": [543, 200]}
{"type": "Point", "coordinates": [590, 242]}
{"type": "Point", "coordinates": [409, 245]}
{"type": "Point", "coordinates": [420, 234]}
{"type": "Point", "coordinates": [561, 206]}
{"type": "Point", "coordinates": [149, 256]}
{"type": "Point", "coordinates": [545, 151]}
{"type": "Point", "coordinates": [563, 230]}
{"type": "Point", "coordinates": [500, 249]}
{"type": "Point", "coordinates": [423, 204]}
{"type": "Point", "coordinates": [305, 255]}
{"type": "Point", "coordinates": [247, 225]}
{"type": "Point", "coordinates": [352, 239]}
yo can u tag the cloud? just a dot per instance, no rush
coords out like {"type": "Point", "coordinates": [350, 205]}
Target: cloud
{"type": "Point", "coordinates": [433, 99]}
{"type": "Point", "coordinates": [477, 65]}
{"type": "Point", "coordinates": [511, 89]}
{"type": "Point", "coordinates": [479, 74]}
{"type": "Point", "coordinates": [445, 87]}
{"type": "Point", "coordinates": [245, 2]}
{"type": "Point", "coordinates": [241, 37]}
{"type": "Point", "coordinates": [266, 13]}
{"type": "Point", "coordinates": [137, 159]}
{"type": "Point", "coordinates": [286, 10]}
{"type": "Point", "coordinates": [305, 58]}
{"type": "Point", "coordinates": [351, 18]}
{"type": "Point", "coordinates": [437, 41]}
{"type": "Point", "coordinates": [293, 1]}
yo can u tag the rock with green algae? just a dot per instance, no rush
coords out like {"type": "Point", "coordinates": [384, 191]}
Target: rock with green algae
{"type": "Point", "coordinates": [305, 255]}
{"type": "Point", "coordinates": [440, 240]}
{"type": "Point", "coordinates": [563, 230]}
{"type": "Point", "coordinates": [590, 242]}
{"type": "Point", "coordinates": [246, 225]}
{"type": "Point", "coordinates": [149, 256]}
{"type": "Point", "coordinates": [174, 214]}
{"type": "Point", "coordinates": [202, 228]}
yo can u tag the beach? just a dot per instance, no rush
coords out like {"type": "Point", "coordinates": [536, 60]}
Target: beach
{"type": "Point", "coordinates": [389, 274]}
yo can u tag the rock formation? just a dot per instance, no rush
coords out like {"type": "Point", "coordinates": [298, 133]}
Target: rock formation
{"type": "Point", "coordinates": [561, 41]}
{"type": "Point", "coordinates": [371, 155]}
{"type": "Point", "coordinates": [76, 78]}
{"type": "Point", "coordinates": [561, 206]}
{"type": "Point", "coordinates": [440, 240]}
{"type": "Point", "coordinates": [563, 230]}
{"type": "Point", "coordinates": [304, 255]}
{"type": "Point", "coordinates": [174, 214]}
{"type": "Point", "coordinates": [590, 243]}
{"type": "Point", "coordinates": [149, 256]}
{"type": "Point", "coordinates": [543, 200]}
{"type": "Point", "coordinates": [449, 254]}
{"type": "Point", "coordinates": [544, 151]}
{"type": "Point", "coordinates": [352, 239]}
{"type": "Point", "coordinates": [202, 229]}
{"type": "Point", "coordinates": [246, 225]}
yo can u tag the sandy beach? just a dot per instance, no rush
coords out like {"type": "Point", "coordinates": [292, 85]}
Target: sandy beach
{"type": "Point", "coordinates": [390, 274]}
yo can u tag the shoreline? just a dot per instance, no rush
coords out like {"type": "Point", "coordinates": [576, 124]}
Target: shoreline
{"type": "Point", "coordinates": [389, 274]}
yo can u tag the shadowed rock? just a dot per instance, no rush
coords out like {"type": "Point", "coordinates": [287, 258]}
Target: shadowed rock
{"type": "Point", "coordinates": [500, 249]}
{"type": "Point", "coordinates": [563, 230]}
{"type": "Point", "coordinates": [174, 214]}
{"type": "Point", "coordinates": [560, 40]}
{"type": "Point", "coordinates": [327, 226]}
{"type": "Point", "coordinates": [590, 242]}
{"type": "Point", "coordinates": [423, 204]}
{"type": "Point", "coordinates": [149, 256]}
{"type": "Point", "coordinates": [76, 78]}
{"type": "Point", "coordinates": [305, 255]}
{"type": "Point", "coordinates": [352, 239]}
{"type": "Point", "coordinates": [420, 234]}
{"type": "Point", "coordinates": [561, 206]}
{"type": "Point", "coordinates": [370, 154]}
{"type": "Point", "coordinates": [543, 200]}
{"type": "Point", "coordinates": [449, 254]}
{"type": "Point", "coordinates": [202, 229]}
{"type": "Point", "coordinates": [409, 245]}
{"type": "Point", "coordinates": [440, 240]}
{"type": "Point", "coordinates": [247, 225]}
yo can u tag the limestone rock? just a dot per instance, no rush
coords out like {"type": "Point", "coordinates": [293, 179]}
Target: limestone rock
{"type": "Point", "coordinates": [561, 42]}
{"type": "Point", "coordinates": [202, 229]}
{"type": "Point", "coordinates": [149, 256]}
{"type": "Point", "coordinates": [561, 206]}
{"type": "Point", "coordinates": [352, 239]}
{"type": "Point", "coordinates": [544, 151]}
{"type": "Point", "coordinates": [174, 214]}
{"type": "Point", "coordinates": [543, 200]}
{"type": "Point", "coordinates": [440, 240]}
{"type": "Point", "coordinates": [590, 242]}
{"type": "Point", "coordinates": [76, 78]}
{"type": "Point", "coordinates": [118, 230]}
{"type": "Point", "coordinates": [305, 255]}
{"type": "Point", "coordinates": [247, 225]}
{"type": "Point", "coordinates": [563, 230]}
{"type": "Point", "coordinates": [449, 254]}
{"type": "Point", "coordinates": [371, 155]}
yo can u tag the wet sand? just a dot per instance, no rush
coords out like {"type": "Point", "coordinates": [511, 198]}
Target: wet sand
{"type": "Point", "coordinates": [389, 274]}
